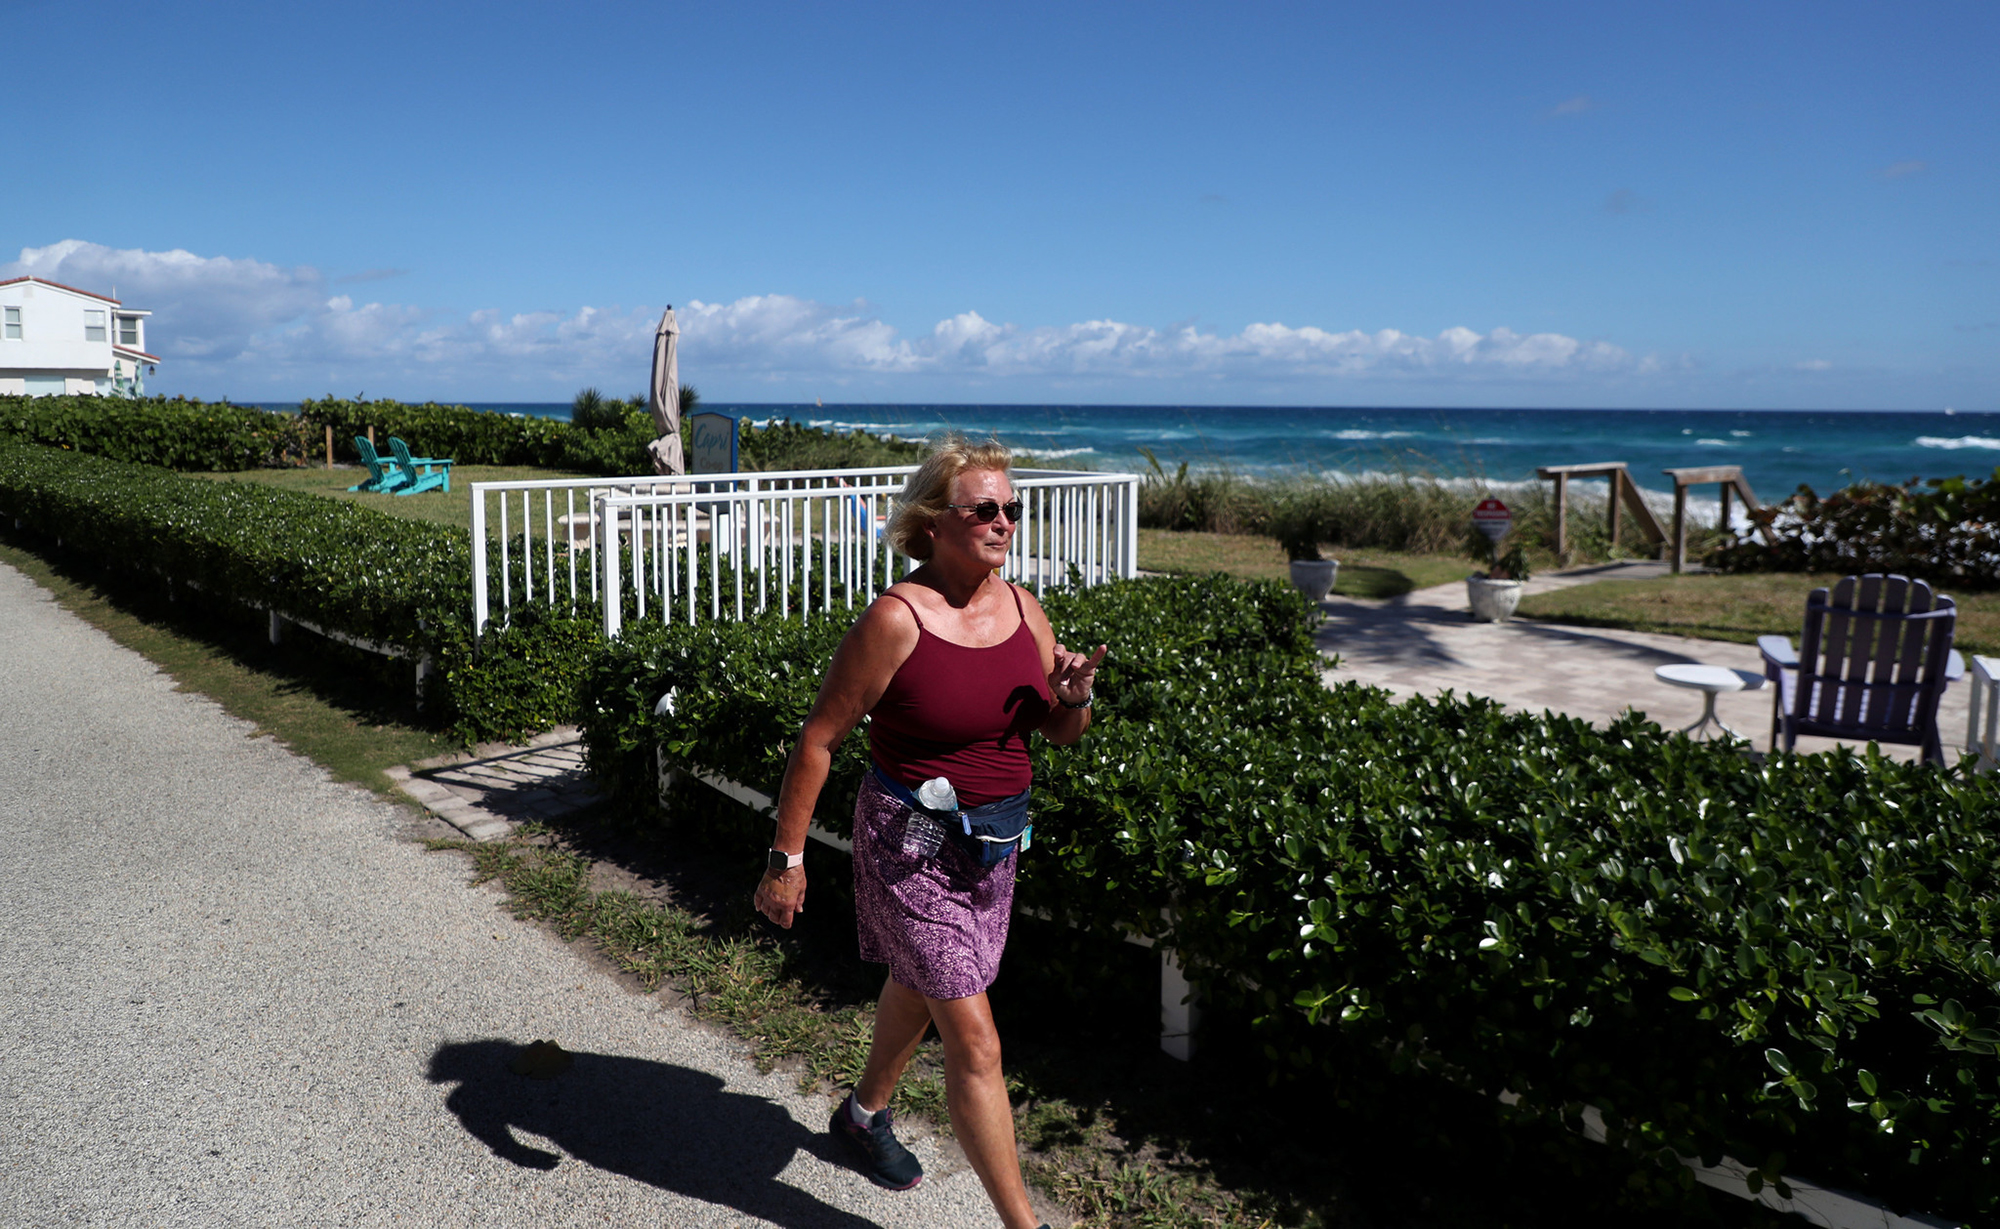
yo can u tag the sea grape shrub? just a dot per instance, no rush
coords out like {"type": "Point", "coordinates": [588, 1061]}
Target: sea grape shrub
{"type": "Point", "coordinates": [1786, 959]}
{"type": "Point", "coordinates": [1943, 530]}
{"type": "Point", "coordinates": [466, 435]}
{"type": "Point", "coordinates": [610, 441]}
{"type": "Point", "coordinates": [172, 432]}
{"type": "Point", "coordinates": [784, 444]}
{"type": "Point", "coordinates": [345, 567]}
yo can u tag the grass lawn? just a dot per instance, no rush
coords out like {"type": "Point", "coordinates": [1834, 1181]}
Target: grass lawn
{"type": "Point", "coordinates": [1363, 573]}
{"type": "Point", "coordinates": [1734, 608]}
{"type": "Point", "coordinates": [453, 508]}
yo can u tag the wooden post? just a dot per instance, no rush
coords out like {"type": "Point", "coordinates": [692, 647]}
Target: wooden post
{"type": "Point", "coordinates": [1677, 549]}
{"type": "Point", "coordinates": [1562, 519]}
{"type": "Point", "coordinates": [1723, 524]}
{"type": "Point", "coordinates": [371, 437]}
{"type": "Point", "coordinates": [1617, 495]}
{"type": "Point", "coordinates": [329, 445]}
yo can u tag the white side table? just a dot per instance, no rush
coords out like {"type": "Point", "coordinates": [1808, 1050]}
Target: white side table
{"type": "Point", "coordinates": [1711, 681]}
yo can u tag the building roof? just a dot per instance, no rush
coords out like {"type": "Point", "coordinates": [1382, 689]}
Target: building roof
{"type": "Point", "coordinates": [129, 352]}
{"type": "Point", "coordinates": [89, 294]}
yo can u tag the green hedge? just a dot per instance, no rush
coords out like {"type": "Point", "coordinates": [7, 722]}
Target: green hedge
{"type": "Point", "coordinates": [784, 444]}
{"type": "Point", "coordinates": [177, 433]}
{"type": "Point", "coordinates": [171, 432]}
{"type": "Point", "coordinates": [1943, 530]}
{"type": "Point", "coordinates": [487, 437]}
{"type": "Point", "coordinates": [1782, 960]}
{"type": "Point", "coordinates": [337, 564]}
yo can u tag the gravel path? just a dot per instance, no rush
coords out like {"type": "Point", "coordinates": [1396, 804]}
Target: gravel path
{"type": "Point", "coordinates": [234, 992]}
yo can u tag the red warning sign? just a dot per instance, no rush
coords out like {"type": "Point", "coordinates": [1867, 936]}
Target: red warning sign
{"type": "Point", "coordinates": [1493, 519]}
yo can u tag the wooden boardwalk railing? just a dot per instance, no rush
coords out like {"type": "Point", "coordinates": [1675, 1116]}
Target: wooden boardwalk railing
{"type": "Point", "coordinates": [1622, 492]}
{"type": "Point", "coordinates": [1731, 478]}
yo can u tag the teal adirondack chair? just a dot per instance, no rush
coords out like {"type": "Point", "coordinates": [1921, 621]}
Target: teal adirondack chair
{"type": "Point", "coordinates": [422, 473]}
{"type": "Point", "coordinates": [382, 475]}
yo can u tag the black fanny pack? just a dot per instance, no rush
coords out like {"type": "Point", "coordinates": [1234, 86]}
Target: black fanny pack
{"type": "Point", "coordinates": [989, 834]}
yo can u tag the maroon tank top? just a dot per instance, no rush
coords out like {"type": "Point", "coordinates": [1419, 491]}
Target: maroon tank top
{"type": "Point", "coordinates": [963, 713]}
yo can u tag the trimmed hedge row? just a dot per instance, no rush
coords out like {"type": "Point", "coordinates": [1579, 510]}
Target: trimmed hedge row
{"type": "Point", "coordinates": [1943, 530]}
{"type": "Point", "coordinates": [340, 565]}
{"type": "Point", "coordinates": [171, 432]}
{"type": "Point", "coordinates": [1792, 958]}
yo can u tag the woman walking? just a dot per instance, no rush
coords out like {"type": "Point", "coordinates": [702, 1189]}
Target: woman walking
{"type": "Point", "coordinates": [955, 668]}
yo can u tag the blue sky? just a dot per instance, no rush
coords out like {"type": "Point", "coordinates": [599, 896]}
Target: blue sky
{"type": "Point", "coordinates": [1771, 205]}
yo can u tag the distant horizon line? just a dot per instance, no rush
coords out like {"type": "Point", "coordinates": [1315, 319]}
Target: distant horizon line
{"type": "Point", "coordinates": [1181, 405]}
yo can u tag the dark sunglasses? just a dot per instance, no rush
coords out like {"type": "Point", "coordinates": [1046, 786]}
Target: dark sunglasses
{"type": "Point", "coordinates": [985, 510]}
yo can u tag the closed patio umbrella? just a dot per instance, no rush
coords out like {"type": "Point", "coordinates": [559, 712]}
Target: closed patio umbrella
{"type": "Point", "coordinates": [665, 399]}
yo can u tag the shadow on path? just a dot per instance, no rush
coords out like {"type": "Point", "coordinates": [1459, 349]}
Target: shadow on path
{"type": "Point", "coordinates": [1432, 637]}
{"type": "Point", "coordinates": [668, 1126]}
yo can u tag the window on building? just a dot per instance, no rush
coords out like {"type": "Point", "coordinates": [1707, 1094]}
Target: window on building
{"type": "Point", "coordinates": [128, 330]}
{"type": "Point", "coordinates": [93, 325]}
{"type": "Point", "coordinates": [10, 325]}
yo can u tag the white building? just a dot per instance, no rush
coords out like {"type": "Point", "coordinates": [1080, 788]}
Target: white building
{"type": "Point", "coordinates": [56, 339]}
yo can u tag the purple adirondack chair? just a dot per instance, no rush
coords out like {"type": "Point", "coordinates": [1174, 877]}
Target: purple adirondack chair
{"type": "Point", "coordinates": [1873, 662]}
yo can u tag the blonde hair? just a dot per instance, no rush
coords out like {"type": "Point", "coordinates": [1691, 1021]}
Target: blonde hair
{"type": "Point", "coordinates": [928, 490]}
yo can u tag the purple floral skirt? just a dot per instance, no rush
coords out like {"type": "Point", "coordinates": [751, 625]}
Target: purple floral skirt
{"type": "Point", "coordinates": [939, 923]}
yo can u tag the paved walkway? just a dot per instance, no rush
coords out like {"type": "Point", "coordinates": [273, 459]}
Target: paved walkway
{"type": "Point", "coordinates": [234, 992]}
{"type": "Point", "coordinates": [1425, 642]}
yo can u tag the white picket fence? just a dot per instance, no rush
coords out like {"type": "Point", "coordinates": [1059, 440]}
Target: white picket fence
{"type": "Point", "coordinates": [729, 545]}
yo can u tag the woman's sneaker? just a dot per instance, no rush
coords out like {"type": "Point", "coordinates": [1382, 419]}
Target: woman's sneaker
{"type": "Point", "coordinates": [886, 1162]}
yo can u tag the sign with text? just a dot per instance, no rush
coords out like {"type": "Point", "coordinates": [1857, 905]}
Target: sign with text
{"type": "Point", "coordinates": [711, 443]}
{"type": "Point", "coordinates": [1493, 519]}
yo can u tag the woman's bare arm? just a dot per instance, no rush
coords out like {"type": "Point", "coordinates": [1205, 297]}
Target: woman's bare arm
{"type": "Point", "coordinates": [868, 657]}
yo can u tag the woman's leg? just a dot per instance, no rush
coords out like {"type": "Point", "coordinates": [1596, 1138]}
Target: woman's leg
{"type": "Point", "coordinates": [976, 1093]}
{"type": "Point", "coordinates": [901, 1016]}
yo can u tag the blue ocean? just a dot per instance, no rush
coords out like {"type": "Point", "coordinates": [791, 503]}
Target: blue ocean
{"type": "Point", "coordinates": [1779, 450]}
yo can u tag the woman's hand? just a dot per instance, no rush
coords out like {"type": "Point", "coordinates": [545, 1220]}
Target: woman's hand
{"type": "Point", "coordinates": [1075, 674]}
{"type": "Point", "coordinates": [781, 894]}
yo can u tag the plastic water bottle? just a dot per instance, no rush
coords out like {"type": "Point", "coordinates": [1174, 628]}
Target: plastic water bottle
{"type": "Point", "coordinates": [922, 834]}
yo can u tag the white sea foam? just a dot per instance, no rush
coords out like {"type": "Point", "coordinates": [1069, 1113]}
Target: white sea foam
{"type": "Point", "coordinates": [1356, 433]}
{"type": "Point", "coordinates": [1714, 443]}
{"type": "Point", "coordinates": [1954, 444]}
{"type": "Point", "coordinates": [1742, 435]}
{"type": "Point", "coordinates": [881, 431]}
{"type": "Point", "coordinates": [1053, 453]}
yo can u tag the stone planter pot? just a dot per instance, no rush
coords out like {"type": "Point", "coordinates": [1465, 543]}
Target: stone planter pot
{"type": "Point", "coordinates": [1314, 577]}
{"type": "Point", "coordinates": [1493, 601]}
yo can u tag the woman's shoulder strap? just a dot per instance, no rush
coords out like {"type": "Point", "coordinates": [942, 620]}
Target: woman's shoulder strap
{"type": "Point", "coordinates": [913, 610]}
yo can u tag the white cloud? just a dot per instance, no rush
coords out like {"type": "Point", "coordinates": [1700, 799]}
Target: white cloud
{"type": "Point", "coordinates": [252, 329]}
{"type": "Point", "coordinates": [210, 306]}
{"type": "Point", "coordinates": [1574, 106]}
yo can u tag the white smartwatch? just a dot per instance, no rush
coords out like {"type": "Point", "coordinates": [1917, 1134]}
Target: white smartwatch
{"type": "Point", "coordinates": [779, 860]}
